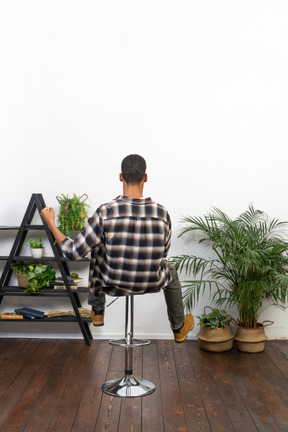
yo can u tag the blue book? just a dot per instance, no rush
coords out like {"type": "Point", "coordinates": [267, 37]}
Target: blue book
{"type": "Point", "coordinates": [29, 313]}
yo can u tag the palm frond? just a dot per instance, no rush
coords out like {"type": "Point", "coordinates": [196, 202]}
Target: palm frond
{"type": "Point", "coordinates": [193, 289]}
{"type": "Point", "coordinates": [251, 263]}
{"type": "Point", "coordinates": [191, 264]}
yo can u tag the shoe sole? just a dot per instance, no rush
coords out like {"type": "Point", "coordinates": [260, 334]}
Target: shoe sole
{"type": "Point", "coordinates": [183, 339]}
{"type": "Point", "coordinates": [99, 322]}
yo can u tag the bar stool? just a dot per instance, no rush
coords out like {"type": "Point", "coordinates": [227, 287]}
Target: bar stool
{"type": "Point", "coordinates": [128, 385]}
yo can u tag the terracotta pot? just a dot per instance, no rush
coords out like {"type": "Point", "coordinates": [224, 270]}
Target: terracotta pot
{"type": "Point", "coordinates": [215, 340]}
{"type": "Point", "coordinates": [252, 340]}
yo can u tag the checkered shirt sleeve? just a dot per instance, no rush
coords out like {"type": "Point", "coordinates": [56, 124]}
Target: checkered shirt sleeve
{"type": "Point", "coordinates": [128, 240]}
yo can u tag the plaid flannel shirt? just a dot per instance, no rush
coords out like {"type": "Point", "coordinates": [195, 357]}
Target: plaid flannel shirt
{"type": "Point", "coordinates": [128, 240]}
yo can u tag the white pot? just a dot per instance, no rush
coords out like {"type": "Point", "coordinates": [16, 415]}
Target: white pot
{"type": "Point", "coordinates": [37, 253]}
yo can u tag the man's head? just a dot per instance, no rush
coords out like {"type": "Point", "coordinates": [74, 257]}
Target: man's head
{"type": "Point", "coordinates": [133, 169]}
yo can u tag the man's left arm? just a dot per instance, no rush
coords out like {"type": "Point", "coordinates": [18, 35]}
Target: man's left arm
{"type": "Point", "coordinates": [168, 236]}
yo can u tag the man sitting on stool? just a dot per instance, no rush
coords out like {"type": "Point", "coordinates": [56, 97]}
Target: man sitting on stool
{"type": "Point", "coordinates": [129, 239]}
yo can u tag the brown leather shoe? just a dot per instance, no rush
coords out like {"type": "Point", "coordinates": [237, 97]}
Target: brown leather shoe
{"type": "Point", "coordinates": [97, 317]}
{"type": "Point", "coordinates": [181, 335]}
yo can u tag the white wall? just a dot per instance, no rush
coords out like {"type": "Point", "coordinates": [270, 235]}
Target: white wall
{"type": "Point", "coordinates": [199, 88]}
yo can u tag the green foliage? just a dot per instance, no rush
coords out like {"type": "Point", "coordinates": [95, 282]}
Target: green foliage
{"type": "Point", "coordinates": [35, 244]}
{"type": "Point", "coordinates": [20, 267]}
{"type": "Point", "coordinates": [217, 318]}
{"type": "Point", "coordinates": [72, 214]}
{"type": "Point", "coordinates": [249, 263]}
{"type": "Point", "coordinates": [39, 275]}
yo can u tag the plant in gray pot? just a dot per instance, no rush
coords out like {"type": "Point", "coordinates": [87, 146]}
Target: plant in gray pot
{"type": "Point", "coordinates": [248, 268]}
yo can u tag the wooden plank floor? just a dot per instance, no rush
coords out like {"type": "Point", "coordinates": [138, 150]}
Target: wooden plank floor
{"type": "Point", "coordinates": [55, 385]}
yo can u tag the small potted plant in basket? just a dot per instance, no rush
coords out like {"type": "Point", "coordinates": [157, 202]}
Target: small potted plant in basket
{"type": "Point", "coordinates": [33, 276]}
{"type": "Point", "coordinates": [36, 247]}
{"type": "Point", "coordinates": [72, 213]}
{"type": "Point", "coordinates": [215, 333]}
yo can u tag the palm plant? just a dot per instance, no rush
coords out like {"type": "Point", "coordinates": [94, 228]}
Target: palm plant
{"type": "Point", "coordinates": [249, 266]}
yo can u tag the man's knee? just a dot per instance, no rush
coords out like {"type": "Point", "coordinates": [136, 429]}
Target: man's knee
{"type": "Point", "coordinates": [175, 283]}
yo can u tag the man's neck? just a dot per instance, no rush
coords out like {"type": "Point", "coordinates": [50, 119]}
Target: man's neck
{"type": "Point", "coordinates": [133, 191]}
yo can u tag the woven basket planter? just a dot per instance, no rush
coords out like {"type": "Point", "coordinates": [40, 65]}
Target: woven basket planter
{"type": "Point", "coordinates": [252, 340]}
{"type": "Point", "coordinates": [215, 340]}
{"type": "Point", "coordinates": [22, 280]}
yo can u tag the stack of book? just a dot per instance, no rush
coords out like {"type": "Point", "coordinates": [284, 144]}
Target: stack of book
{"type": "Point", "coordinates": [29, 313]}
{"type": "Point", "coordinates": [73, 283]}
{"type": "Point", "coordinates": [23, 312]}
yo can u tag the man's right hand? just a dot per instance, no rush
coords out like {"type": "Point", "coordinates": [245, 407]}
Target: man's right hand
{"type": "Point", "coordinates": [48, 216]}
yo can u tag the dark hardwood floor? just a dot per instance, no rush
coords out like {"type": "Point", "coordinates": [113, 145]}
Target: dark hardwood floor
{"type": "Point", "coordinates": [55, 385]}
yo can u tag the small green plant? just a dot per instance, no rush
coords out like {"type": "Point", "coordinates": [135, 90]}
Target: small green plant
{"type": "Point", "coordinates": [35, 244]}
{"type": "Point", "coordinates": [20, 267]}
{"type": "Point", "coordinates": [38, 275]}
{"type": "Point", "coordinates": [72, 213]}
{"type": "Point", "coordinates": [217, 318]}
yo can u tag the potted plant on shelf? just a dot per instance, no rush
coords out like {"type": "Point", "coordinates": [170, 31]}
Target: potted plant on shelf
{"type": "Point", "coordinates": [33, 276]}
{"type": "Point", "coordinates": [215, 333]}
{"type": "Point", "coordinates": [248, 267]}
{"type": "Point", "coordinates": [21, 269]}
{"type": "Point", "coordinates": [72, 213]}
{"type": "Point", "coordinates": [36, 247]}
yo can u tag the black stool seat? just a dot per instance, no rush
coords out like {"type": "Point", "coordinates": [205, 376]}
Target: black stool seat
{"type": "Point", "coordinates": [129, 386]}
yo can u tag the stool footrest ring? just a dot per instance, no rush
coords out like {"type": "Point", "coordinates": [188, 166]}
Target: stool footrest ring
{"type": "Point", "coordinates": [135, 342]}
{"type": "Point", "coordinates": [128, 386]}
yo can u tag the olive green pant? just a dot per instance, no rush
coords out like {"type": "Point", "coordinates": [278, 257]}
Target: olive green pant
{"type": "Point", "coordinates": [172, 294]}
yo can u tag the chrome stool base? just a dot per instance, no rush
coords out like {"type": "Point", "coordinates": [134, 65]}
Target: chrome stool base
{"type": "Point", "coordinates": [128, 387]}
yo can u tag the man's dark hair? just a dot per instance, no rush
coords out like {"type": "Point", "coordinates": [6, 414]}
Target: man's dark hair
{"type": "Point", "coordinates": [133, 169]}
